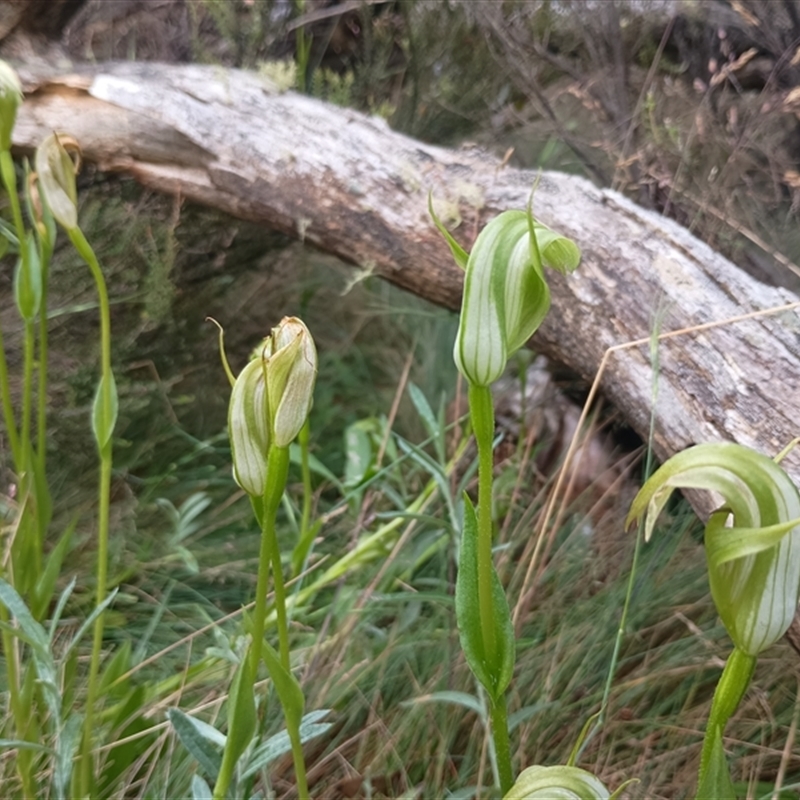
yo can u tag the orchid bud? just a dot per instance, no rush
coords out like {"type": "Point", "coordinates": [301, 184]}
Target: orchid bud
{"type": "Point", "coordinates": [557, 783]}
{"type": "Point", "coordinates": [56, 170]}
{"type": "Point", "coordinates": [752, 542]}
{"type": "Point", "coordinates": [506, 296]}
{"type": "Point", "coordinates": [10, 98]}
{"type": "Point", "coordinates": [291, 372]}
{"type": "Point", "coordinates": [248, 428]}
{"type": "Point", "coordinates": [270, 401]}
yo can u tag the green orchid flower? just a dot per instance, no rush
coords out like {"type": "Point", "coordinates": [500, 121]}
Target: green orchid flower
{"type": "Point", "coordinates": [752, 541]}
{"type": "Point", "coordinates": [559, 783]}
{"type": "Point", "coordinates": [56, 172]}
{"type": "Point", "coordinates": [753, 552]}
{"type": "Point", "coordinates": [270, 401]}
{"type": "Point", "coordinates": [10, 98]}
{"type": "Point", "coordinates": [506, 297]}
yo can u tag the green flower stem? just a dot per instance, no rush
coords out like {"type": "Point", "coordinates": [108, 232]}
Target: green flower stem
{"type": "Point", "coordinates": [481, 407]}
{"type": "Point", "coordinates": [502, 748]}
{"type": "Point", "coordinates": [277, 472]}
{"type": "Point", "coordinates": [10, 182]}
{"type": "Point", "coordinates": [27, 390]}
{"type": "Point", "coordinates": [104, 492]}
{"type": "Point", "coordinates": [730, 690]}
{"type": "Point", "coordinates": [8, 409]}
{"type": "Point", "coordinates": [41, 412]}
{"type": "Point", "coordinates": [299, 761]}
{"type": "Point", "coordinates": [225, 775]}
{"type": "Point", "coordinates": [19, 453]}
{"type": "Point", "coordinates": [482, 415]}
{"type": "Point", "coordinates": [305, 471]}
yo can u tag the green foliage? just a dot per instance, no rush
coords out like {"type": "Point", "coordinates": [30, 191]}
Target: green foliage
{"type": "Point", "coordinates": [493, 669]}
{"type": "Point", "coordinates": [372, 608]}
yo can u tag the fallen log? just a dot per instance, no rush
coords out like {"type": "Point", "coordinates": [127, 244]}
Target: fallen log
{"type": "Point", "coordinates": [347, 184]}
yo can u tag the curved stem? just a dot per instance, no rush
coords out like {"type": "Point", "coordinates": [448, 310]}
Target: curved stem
{"type": "Point", "coordinates": [482, 415]}
{"type": "Point", "coordinates": [104, 491]}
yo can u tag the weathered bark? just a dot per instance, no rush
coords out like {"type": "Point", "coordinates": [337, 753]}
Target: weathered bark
{"type": "Point", "coordinates": [349, 185]}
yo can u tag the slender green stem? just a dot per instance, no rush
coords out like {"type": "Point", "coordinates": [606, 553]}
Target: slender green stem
{"type": "Point", "coordinates": [280, 602]}
{"type": "Point", "coordinates": [277, 472]}
{"type": "Point", "coordinates": [42, 514]}
{"type": "Point", "coordinates": [730, 690]}
{"type": "Point", "coordinates": [292, 725]}
{"type": "Point", "coordinates": [226, 769]}
{"type": "Point", "coordinates": [10, 182]}
{"type": "Point", "coordinates": [41, 412]}
{"type": "Point", "coordinates": [482, 414]}
{"type": "Point", "coordinates": [104, 491]}
{"type": "Point", "coordinates": [30, 540]}
{"type": "Point", "coordinates": [502, 747]}
{"type": "Point", "coordinates": [27, 379]}
{"type": "Point", "coordinates": [299, 761]}
{"type": "Point", "coordinates": [481, 407]}
{"type": "Point", "coordinates": [305, 471]}
{"type": "Point", "coordinates": [19, 453]}
{"type": "Point", "coordinates": [8, 409]}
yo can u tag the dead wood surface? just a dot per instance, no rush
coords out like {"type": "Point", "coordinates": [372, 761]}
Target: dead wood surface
{"type": "Point", "coordinates": [349, 185]}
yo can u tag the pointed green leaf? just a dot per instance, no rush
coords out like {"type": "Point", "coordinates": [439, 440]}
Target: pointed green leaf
{"type": "Point", "coordinates": [59, 610]}
{"type": "Point", "coordinates": [424, 410]}
{"type": "Point", "coordinates": [28, 281]}
{"type": "Point", "coordinates": [66, 747]}
{"type": "Point", "coordinates": [34, 632]}
{"type": "Point", "coordinates": [286, 686]}
{"type": "Point", "coordinates": [104, 410]}
{"type": "Point", "coordinates": [119, 665]}
{"type": "Point", "coordinates": [716, 781]}
{"type": "Point", "coordinates": [241, 712]}
{"type": "Point", "coordinates": [315, 465]}
{"type": "Point", "coordinates": [280, 744]}
{"type": "Point", "coordinates": [493, 670]}
{"type": "Point", "coordinates": [46, 583]}
{"type": "Point", "coordinates": [21, 744]}
{"type": "Point", "coordinates": [89, 621]}
{"type": "Point", "coordinates": [195, 742]}
{"type": "Point", "coordinates": [468, 701]}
